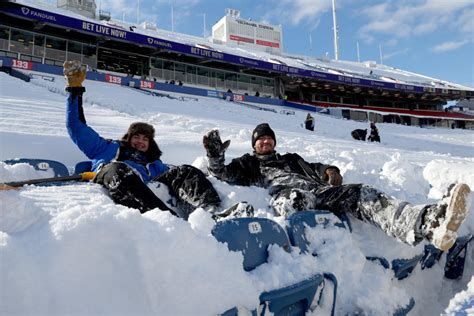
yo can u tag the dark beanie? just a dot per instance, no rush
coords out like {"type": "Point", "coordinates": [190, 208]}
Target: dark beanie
{"type": "Point", "coordinates": [139, 128]}
{"type": "Point", "coordinates": [262, 130]}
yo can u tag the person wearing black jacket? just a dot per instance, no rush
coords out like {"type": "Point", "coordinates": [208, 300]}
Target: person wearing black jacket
{"type": "Point", "coordinates": [374, 133]}
{"type": "Point", "coordinates": [296, 185]}
{"type": "Point", "coordinates": [309, 122]}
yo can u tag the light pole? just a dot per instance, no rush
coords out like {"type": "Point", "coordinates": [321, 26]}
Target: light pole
{"type": "Point", "coordinates": [138, 12]}
{"type": "Point", "coordinates": [204, 25]}
{"type": "Point", "coordinates": [381, 55]}
{"type": "Point", "coordinates": [336, 38]}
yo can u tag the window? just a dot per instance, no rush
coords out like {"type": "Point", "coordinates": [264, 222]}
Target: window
{"type": "Point", "coordinates": [180, 72]}
{"type": "Point", "coordinates": [74, 51]}
{"type": "Point", "coordinates": [156, 63]}
{"type": "Point", "coordinates": [203, 76]}
{"type": "Point", "coordinates": [334, 99]}
{"type": "Point", "coordinates": [220, 79]}
{"type": "Point", "coordinates": [89, 55]}
{"type": "Point", "coordinates": [21, 42]}
{"type": "Point", "coordinates": [168, 70]}
{"type": "Point", "coordinates": [4, 36]}
{"type": "Point", "coordinates": [191, 74]}
{"type": "Point", "coordinates": [56, 48]}
{"type": "Point", "coordinates": [38, 48]}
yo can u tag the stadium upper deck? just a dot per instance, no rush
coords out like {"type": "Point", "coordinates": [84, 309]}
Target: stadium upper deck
{"type": "Point", "coordinates": [50, 35]}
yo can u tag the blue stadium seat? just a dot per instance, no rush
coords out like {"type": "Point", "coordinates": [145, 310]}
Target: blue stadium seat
{"type": "Point", "coordinates": [59, 169]}
{"type": "Point", "coordinates": [252, 236]}
{"type": "Point", "coordinates": [298, 221]}
{"type": "Point", "coordinates": [82, 166]}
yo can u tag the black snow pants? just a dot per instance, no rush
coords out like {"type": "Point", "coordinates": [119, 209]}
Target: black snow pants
{"type": "Point", "coordinates": [396, 218]}
{"type": "Point", "coordinates": [127, 188]}
{"type": "Point", "coordinates": [191, 189]}
{"type": "Point", "coordinates": [187, 184]}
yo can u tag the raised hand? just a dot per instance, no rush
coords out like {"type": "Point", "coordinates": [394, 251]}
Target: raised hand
{"type": "Point", "coordinates": [74, 72]}
{"type": "Point", "coordinates": [213, 144]}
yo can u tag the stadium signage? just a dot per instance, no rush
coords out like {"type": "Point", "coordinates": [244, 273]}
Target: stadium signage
{"type": "Point", "coordinates": [102, 30]}
{"type": "Point", "coordinates": [105, 30]}
{"type": "Point", "coordinates": [241, 39]}
{"type": "Point", "coordinates": [156, 42]}
{"type": "Point", "coordinates": [251, 62]}
{"type": "Point", "coordinates": [284, 68]}
{"type": "Point", "coordinates": [348, 79]}
{"type": "Point", "coordinates": [253, 24]}
{"type": "Point", "coordinates": [267, 43]}
{"type": "Point", "coordinates": [113, 79]}
{"type": "Point", "coordinates": [22, 64]}
{"type": "Point", "coordinates": [147, 84]}
{"type": "Point", "coordinates": [37, 14]}
{"type": "Point", "coordinates": [206, 53]}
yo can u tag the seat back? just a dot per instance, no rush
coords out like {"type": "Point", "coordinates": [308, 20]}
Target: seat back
{"type": "Point", "coordinates": [59, 169]}
{"type": "Point", "coordinates": [251, 236]}
{"type": "Point", "coordinates": [294, 300]}
{"type": "Point", "coordinates": [298, 221]}
{"type": "Point", "coordinates": [82, 166]}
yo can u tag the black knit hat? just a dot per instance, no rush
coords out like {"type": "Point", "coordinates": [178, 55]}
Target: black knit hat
{"type": "Point", "coordinates": [139, 128]}
{"type": "Point", "coordinates": [262, 130]}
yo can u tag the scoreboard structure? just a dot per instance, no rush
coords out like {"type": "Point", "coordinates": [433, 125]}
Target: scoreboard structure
{"type": "Point", "coordinates": [233, 30]}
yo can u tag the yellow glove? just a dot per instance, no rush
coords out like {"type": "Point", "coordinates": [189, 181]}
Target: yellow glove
{"type": "Point", "coordinates": [75, 73]}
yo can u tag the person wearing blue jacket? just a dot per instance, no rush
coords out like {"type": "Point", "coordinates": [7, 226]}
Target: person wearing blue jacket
{"type": "Point", "coordinates": [125, 166]}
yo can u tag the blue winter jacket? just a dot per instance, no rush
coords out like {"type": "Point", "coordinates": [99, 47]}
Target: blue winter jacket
{"type": "Point", "coordinates": [100, 150]}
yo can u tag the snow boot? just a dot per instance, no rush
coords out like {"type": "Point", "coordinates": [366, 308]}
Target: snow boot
{"type": "Point", "coordinates": [241, 209]}
{"type": "Point", "coordinates": [442, 221]}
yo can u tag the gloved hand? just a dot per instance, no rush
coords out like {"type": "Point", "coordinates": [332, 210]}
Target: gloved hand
{"type": "Point", "coordinates": [75, 73]}
{"type": "Point", "coordinates": [213, 144]}
{"type": "Point", "coordinates": [333, 177]}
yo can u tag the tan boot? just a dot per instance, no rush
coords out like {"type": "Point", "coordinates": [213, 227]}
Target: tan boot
{"type": "Point", "coordinates": [443, 220]}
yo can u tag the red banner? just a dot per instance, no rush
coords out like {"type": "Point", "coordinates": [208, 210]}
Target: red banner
{"type": "Point", "coordinates": [22, 64]}
{"type": "Point", "coordinates": [147, 84]}
{"type": "Point", "coordinates": [265, 43]}
{"type": "Point", "coordinates": [113, 79]}
{"type": "Point", "coordinates": [238, 97]}
{"type": "Point", "coordinates": [241, 39]}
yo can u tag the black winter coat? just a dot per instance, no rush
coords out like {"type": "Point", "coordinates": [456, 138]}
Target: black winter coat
{"type": "Point", "coordinates": [254, 169]}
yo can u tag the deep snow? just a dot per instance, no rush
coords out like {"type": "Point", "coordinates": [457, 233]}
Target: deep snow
{"type": "Point", "coordinates": [70, 250]}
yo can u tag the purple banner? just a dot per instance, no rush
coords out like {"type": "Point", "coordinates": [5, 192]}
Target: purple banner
{"type": "Point", "coordinates": [117, 32]}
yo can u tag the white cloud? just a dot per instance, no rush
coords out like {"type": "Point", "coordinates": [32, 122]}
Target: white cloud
{"type": "Point", "coordinates": [387, 56]}
{"type": "Point", "coordinates": [150, 9]}
{"type": "Point", "coordinates": [448, 46]}
{"type": "Point", "coordinates": [465, 22]}
{"type": "Point", "coordinates": [404, 18]}
{"type": "Point", "coordinates": [295, 11]}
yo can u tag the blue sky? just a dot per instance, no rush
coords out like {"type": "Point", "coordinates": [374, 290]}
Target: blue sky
{"type": "Point", "coordinates": [430, 37]}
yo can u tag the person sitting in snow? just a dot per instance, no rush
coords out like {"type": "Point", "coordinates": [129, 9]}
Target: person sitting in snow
{"type": "Point", "coordinates": [359, 134]}
{"type": "Point", "coordinates": [297, 185]}
{"type": "Point", "coordinates": [125, 166]}
{"type": "Point", "coordinates": [309, 122]}
{"type": "Point", "coordinates": [374, 133]}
